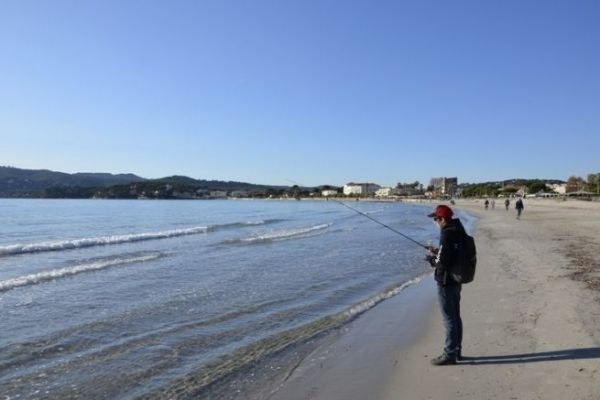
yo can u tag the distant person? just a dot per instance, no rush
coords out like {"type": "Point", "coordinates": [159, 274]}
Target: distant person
{"type": "Point", "coordinates": [519, 206]}
{"type": "Point", "coordinates": [486, 203]}
{"type": "Point", "coordinates": [493, 204]}
{"type": "Point", "coordinates": [506, 204]}
{"type": "Point", "coordinates": [451, 233]}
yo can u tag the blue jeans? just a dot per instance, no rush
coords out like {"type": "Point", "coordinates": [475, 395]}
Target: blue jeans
{"type": "Point", "coordinates": [449, 298]}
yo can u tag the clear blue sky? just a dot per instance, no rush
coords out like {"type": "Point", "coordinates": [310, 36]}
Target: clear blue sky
{"type": "Point", "coordinates": [316, 92]}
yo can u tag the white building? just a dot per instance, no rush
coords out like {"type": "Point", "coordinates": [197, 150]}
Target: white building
{"type": "Point", "coordinates": [386, 192]}
{"type": "Point", "coordinates": [560, 188]}
{"type": "Point", "coordinates": [329, 193]}
{"type": "Point", "coordinates": [360, 188]}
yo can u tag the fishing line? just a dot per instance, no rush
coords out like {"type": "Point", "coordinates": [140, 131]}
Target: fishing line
{"type": "Point", "coordinates": [382, 224]}
{"type": "Point", "coordinates": [374, 220]}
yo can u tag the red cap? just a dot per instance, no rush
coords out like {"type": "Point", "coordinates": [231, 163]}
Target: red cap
{"type": "Point", "coordinates": [442, 211]}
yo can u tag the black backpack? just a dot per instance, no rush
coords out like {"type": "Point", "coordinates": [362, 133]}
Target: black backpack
{"type": "Point", "coordinates": [463, 270]}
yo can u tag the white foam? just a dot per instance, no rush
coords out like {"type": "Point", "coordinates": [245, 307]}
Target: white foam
{"type": "Point", "coordinates": [43, 276]}
{"type": "Point", "coordinates": [97, 241]}
{"type": "Point", "coordinates": [373, 301]}
{"type": "Point", "coordinates": [286, 234]}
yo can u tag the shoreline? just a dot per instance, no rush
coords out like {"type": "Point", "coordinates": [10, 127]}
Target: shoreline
{"type": "Point", "coordinates": [531, 317]}
{"type": "Point", "coordinates": [351, 362]}
{"type": "Point", "coordinates": [274, 375]}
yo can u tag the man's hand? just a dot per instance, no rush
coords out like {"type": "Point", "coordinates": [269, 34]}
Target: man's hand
{"type": "Point", "coordinates": [432, 250]}
{"type": "Point", "coordinates": [430, 258]}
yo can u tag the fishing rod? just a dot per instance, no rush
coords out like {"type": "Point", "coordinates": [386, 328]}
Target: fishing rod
{"type": "Point", "coordinates": [384, 225]}
{"type": "Point", "coordinates": [374, 220]}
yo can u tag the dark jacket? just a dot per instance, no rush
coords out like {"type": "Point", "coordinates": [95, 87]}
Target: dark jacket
{"type": "Point", "coordinates": [450, 238]}
{"type": "Point", "coordinates": [519, 205]}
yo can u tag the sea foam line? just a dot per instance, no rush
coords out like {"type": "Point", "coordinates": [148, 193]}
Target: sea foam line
{"type": "Point", "coordinates": [369, 303]}
{"type": "Point", "coordinates": [116, 239]}
{"type": "Point", "coordinates": [44, 276]}
{"type": "Point", "coordinates": [280, 235]}
{"type": "Point", "coordinates": [97, 241]}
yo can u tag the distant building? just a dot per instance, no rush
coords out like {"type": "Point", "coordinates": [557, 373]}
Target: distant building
{"type": "Point", "coordinates": [409, 189]}
{"type": "Point", "coordinates": [329, 193]}
{"type": "Point", "coordinates": [444, 186]}
{"type": "Point", "coordinates": [522, 192]}
{"type": "Point", "coordinates": [239, 193]}
{"type": "Point", "coordinates": [560, 188]}
{"type": "Point", "coordinates": [360, 188]}
{"type": "Point", "coordinates": [386, 192]}
{"type": "Point", "coordinates": [218, 194]}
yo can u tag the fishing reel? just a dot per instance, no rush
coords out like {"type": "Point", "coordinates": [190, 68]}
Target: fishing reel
{"type": "Point", "coordinates": [430, 258]}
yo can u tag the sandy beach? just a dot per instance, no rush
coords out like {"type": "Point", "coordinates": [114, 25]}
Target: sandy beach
{"type": "Point", "coordinates": [531, 321]}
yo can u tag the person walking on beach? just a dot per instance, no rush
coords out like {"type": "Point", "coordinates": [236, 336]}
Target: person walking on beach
{"type": "Point", "coordinates": [519, 206]}
{"type": "Point", "coordinates": [493, 204]}
{"type": "Point", "coordinates": [486, 203]}
{"type": "Point", "coordinates": [506, 204]}
{"type": "Point", "coordinates": [452, 233]}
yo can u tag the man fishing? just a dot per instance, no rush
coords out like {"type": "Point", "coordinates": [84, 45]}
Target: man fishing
{"type": "Point", "coordinates": [452, 233]}
{"type": "Point", "coordinates": [457, 249]}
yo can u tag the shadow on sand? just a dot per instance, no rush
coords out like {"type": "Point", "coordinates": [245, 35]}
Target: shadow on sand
{"type": "Point", "coordinates": [560, 355]}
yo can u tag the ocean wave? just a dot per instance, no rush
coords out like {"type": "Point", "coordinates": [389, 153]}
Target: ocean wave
{"type": "Point", "coordinates": [119, 239]}
{"type": "Point", "coordinates": [212, 228]}
{"type": "Point", "coordinates": [97, 241]}
{"type": "Point", "coordinates": [371, 302]}
{"type": "Point", "coordinates": [283, 234]}
{"type": "Point", "coordinates": [32, 279]}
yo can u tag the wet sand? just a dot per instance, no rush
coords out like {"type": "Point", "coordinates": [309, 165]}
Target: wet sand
{"type": "Point", "coordinates": [531, 321]}
{"type": "Point", "coordinates": [356, 361]}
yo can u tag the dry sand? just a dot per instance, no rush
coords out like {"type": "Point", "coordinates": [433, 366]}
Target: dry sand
{"type": "Point", "coordinates": [531, 321]}
{"type": "Point", "coordinates": [531, 332]}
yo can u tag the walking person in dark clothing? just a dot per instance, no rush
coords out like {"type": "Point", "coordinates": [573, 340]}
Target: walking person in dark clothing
{"type": "Point", "coordinates": [519, 207]}
{"type": "Point", "coordinates": [442, 258]}
{"type": "Point", "coordinates": [506, 204]}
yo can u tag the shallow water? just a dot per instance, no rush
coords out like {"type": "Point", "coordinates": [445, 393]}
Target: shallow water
{"type": "Point", "coordinates": [122, 299]}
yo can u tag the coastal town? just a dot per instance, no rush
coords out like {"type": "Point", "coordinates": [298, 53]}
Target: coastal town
{"type": "Point", "coordinates": [23, 183]}
{"type": "Point", "coordinates": [438, 188]}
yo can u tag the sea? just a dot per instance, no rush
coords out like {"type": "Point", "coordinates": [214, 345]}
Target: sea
{"type": "Point", "coordinates": [130, 299]}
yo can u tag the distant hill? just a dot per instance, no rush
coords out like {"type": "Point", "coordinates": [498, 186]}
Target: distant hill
{"type": "Point", "coordinates": [17, 182]}
{"type": "Point", "coordinates": [179, 187]}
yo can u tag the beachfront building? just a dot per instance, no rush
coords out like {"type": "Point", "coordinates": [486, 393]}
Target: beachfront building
{"type": "Point", "coordinates": [560, 188]}
{"type": "Point", "coordinates": [329, 193]}
{"type": "Point", "coordinates": [444, 186]}
{"type": "Point", "coordinates": [409, 189]}
{"type": "Point", "coordinates": [360, 189]}
{"type": "Point", "coordinates": [218, 194]}
{"type": "Point", "coordinates": [522, 192]}
{"type": "Point", "coordinates": [386, 192]}
{"type": "Point", "coordinates": [238, 194]}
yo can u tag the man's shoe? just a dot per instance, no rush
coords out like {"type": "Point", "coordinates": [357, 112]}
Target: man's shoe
{"type": "Point", "coordinates": [459, 355]}
{"type": "Point", "coordinates": [443, 360]}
